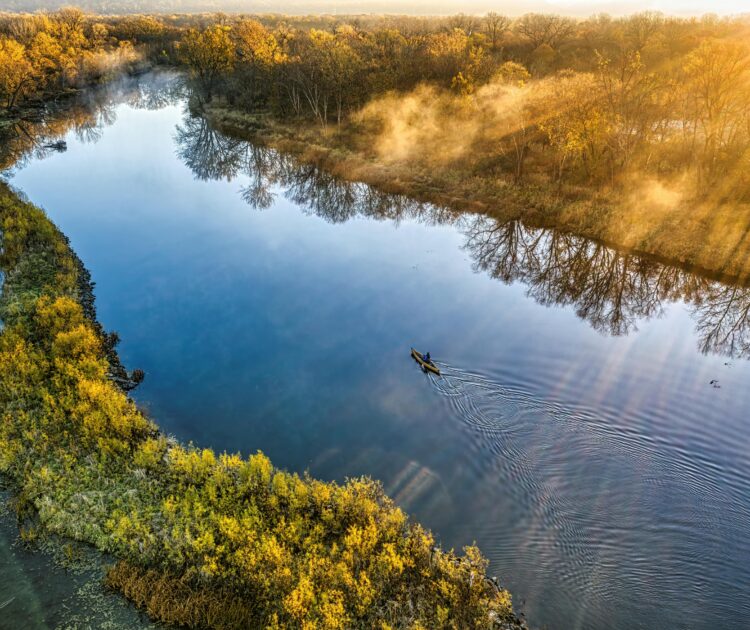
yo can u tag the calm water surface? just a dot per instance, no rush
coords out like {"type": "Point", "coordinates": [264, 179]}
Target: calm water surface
{"type": "Point", "coordinates": [574, 435]}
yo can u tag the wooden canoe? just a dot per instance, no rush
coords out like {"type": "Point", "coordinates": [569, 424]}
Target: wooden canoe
{"type": "Point", "coordinates": [427, 366]}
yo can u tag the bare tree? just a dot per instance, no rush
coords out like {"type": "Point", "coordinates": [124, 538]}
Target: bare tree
{"type": "Point", "coordinates": [494, 26]}
{"type": "Point", "coordinates": [466, 23]}
{"type": "Point", "coordinates": [539, 29]}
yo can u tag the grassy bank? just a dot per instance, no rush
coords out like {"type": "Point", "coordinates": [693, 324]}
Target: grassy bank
{"type": "Point", "coordinates": [203, 539]}
{"type": "Point", "coordinates": [646, 217]}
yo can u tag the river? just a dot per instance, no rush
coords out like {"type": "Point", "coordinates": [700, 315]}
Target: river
{"type": "Point", "coordinates": [575, 433]}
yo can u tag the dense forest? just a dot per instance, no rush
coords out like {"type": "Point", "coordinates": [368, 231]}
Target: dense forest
{"type": "Point", "coordinates": [540, 97]}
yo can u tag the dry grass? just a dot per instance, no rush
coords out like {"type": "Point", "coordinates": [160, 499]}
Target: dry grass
{"type": "Point", "coordinates": [175, 601]}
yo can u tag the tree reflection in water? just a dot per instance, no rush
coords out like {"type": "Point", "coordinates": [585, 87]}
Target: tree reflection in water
{"type": "Point", "coordinates": [29, 136]}
{"type": "Point", "coordinates": [611, 290]}
{"type": "Point", "coordinates": [208, 154]}
{"type": "Point", "coordinates": [722, 316]}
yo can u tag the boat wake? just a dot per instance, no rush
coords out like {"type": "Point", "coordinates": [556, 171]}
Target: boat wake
{"type": "Point", "coordinates": [502, 413]}
{"type": "Point", "coordinates": [642, 487]}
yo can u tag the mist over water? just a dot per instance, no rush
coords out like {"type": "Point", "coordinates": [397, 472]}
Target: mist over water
{"type": "Point", "coordinates": [573, 433]}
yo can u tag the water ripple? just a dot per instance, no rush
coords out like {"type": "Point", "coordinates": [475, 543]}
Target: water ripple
{"type": "Point", "coordinates": [659, 498]}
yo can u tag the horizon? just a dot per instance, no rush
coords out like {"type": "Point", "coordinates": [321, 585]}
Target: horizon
{"type": "Point", "coordinates": [580, 9]}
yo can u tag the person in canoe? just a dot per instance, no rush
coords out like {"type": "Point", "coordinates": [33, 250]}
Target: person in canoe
{"type": "Point", "coordinates": [425, 360]}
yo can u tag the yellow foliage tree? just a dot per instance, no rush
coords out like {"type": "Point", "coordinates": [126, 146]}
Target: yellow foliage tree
{"type": "Point", "coordinates": [209, 54]}
{"type": "Point", "coordinates": [16, 72]}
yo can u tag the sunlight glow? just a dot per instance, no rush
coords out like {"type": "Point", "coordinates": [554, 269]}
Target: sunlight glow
{"type": "Point", "coordinates": [670, 7]}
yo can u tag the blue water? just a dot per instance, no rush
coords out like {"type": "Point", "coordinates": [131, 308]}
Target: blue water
{"type": "Point", "coordinates": [574, 434]}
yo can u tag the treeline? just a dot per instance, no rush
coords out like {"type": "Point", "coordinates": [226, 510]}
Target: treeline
{"type": "Point", "coordinates": [541, 96]}
{"type": "Point", "coordinates": [45, 55]}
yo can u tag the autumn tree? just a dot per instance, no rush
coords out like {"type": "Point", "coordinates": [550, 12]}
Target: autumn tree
{"type": "Point", "coordinates": [717, 77]}
{"type": "Point", "coordinates": [69, 23]}
{"type": "Point", "coordinates": [522, 110]}
{"type": "Point", "coordinates": [446, 54]}
{"type": "Point", "coordinates": [641, 28]}
{"type": "Point", "coordinates": [387, 57]}
{"type": "Point", "coordinates": [209, 54]}
{"type": "Point", "coordinates": [325, 69]}
{"type": "Point", "coordinates": [466, 23]}
{"type": "Point", "coordinates": [23, 28]}
{"type": "Point", "coordinates": [494, 26]}
{"type": "Point", "coordinates": [630, 100]}
{"type": "Point", "coordinates": [540, 29]}
{"type": "Point", "coordinates": [577, 125]}
{"type": "Point", "coordinates": [474, 72]}
{"type": "Point", "coordinates": [16, 72]}
{"type": "Point", "coordinates": [258, 54]}
{"type": "Point", "coordinates": [140, 28]}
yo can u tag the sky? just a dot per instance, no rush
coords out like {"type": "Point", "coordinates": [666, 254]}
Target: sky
{"type": "Point", "coordinates": [579, 8]}
{"type": "Point", "coordinates": [575, 8]}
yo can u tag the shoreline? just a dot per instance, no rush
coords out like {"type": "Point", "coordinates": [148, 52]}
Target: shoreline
{"type": "Point", "coordinates": [337, 153]}
{"type": "Point", "coordinates": [202, 539]}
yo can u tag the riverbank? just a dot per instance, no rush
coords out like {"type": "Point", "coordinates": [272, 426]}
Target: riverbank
{"type": "Point", "coordinates": [203, 539]}
{"type": "Point", "coordinates": [57, 584]}
{"type": "Point", "coordinates": [647, 217]}
{"type": "Point", "coordinates": [37, 109]}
